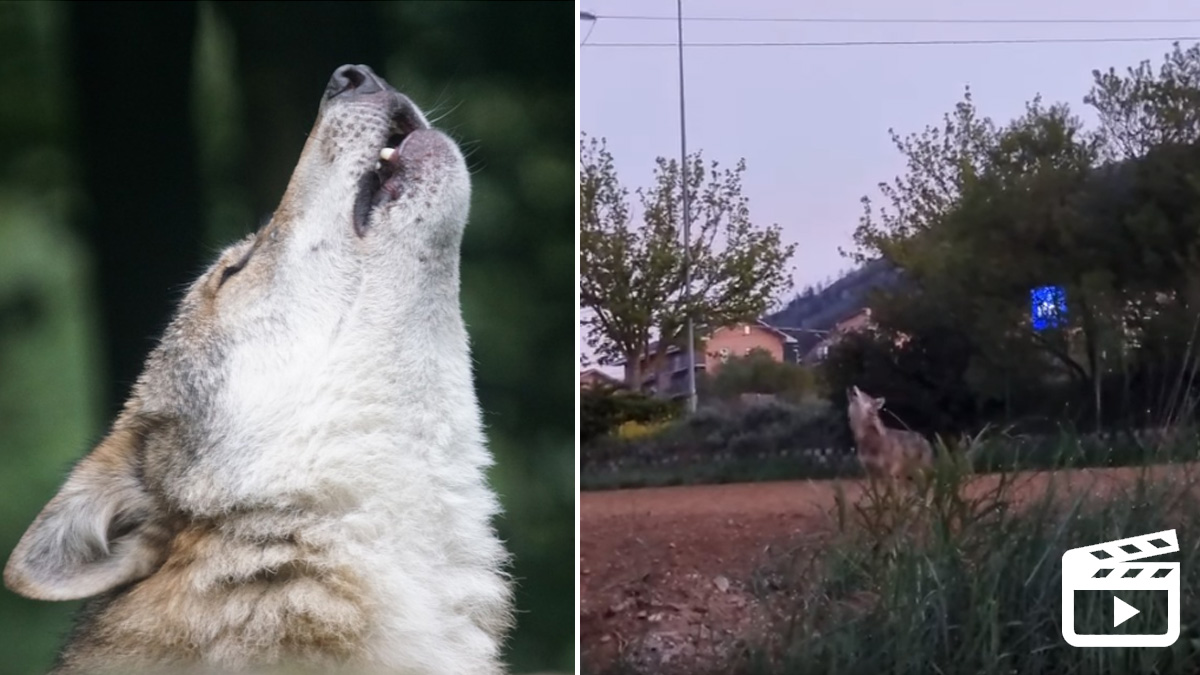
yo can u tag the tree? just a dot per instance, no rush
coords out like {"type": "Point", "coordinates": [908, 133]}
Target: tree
{"type": "Point", "coordinates": [1150, 124]}
{"type": "Point", "coordinates": [923, 376]}
{"type": "Point", "coordinates": [1143, 110]}
{"type": "Point", "coordinates": [632, 278]}
{"type": "Point", "coordinates": [987, 213]}
{"type": "Point", "coordinates": [941, 160]}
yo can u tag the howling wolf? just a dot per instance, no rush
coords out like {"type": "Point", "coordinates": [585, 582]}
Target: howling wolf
{"type": "Point", "coordinates": [297, 478]}
{"type": "Point", "coordinates": [884, 452]}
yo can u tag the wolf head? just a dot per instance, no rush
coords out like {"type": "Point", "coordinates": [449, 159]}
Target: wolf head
{"type": "Point", "coordinates": [291, 360]}
{"type": "Point", "coordinates": [863, 408]}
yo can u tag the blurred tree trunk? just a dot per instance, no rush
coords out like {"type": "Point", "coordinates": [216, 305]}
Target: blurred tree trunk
{"type": "Point", "coordinates": [131, 64]}
{"type": "Point", "coordinates": [286, 52]}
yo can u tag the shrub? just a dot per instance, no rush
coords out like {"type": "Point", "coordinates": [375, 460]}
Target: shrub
{"type": "Point", "coordinates": [758, 373]}
{"type": "Point", "coordinates": [633, 429]}
{"type": "Point", "coordinates": [603, 409]}
{"type": "Point", "coordinates": [768, 440]}
{"type": "Point", "coordinates": [765, 427]}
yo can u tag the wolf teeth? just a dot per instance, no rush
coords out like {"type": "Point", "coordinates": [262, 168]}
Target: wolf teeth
{"type": "Point", "coordinates": [386, 153]}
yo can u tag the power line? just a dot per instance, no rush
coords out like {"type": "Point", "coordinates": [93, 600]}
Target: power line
{"type": "Point", "coordinates": [898, 43]}
{"type": "Point", "coordinates": [750, 19]}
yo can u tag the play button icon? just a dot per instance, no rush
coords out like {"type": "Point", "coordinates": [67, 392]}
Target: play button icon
{"type": "Point", "coordinates": [1122, 611]}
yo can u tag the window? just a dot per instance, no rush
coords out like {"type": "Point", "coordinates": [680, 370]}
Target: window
{"type": "Point", "coordinates": [746, 329]}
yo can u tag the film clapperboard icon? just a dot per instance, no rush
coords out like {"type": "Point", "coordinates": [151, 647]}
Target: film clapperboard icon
{"type": "Point", "coordinates": [1106, 567]}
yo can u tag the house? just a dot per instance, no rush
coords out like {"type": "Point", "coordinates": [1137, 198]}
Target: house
{"type": "Point", "coordinates": [715, 349]}
{"type": "Point", "coordinates": [741, 339]}
{"type": "Point", "coordinates": [857, 322]}
{"type": "Point", "coordinates": [594, 377]}
{"type": "Point", "coordinates": [819, 319]}
{"type": "Point", "coordinates": [673, 371]}
{"type": "Point", "coordinates": [802, 332]}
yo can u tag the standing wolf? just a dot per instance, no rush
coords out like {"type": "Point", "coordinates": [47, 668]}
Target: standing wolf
{"type": "Point", "coordinates": [884, 453]}
{"type": "Point", "coordinates": [298, 475]}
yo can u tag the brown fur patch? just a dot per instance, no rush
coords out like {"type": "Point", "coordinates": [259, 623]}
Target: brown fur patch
{"type": "Point", "coordinates": [234, 600]}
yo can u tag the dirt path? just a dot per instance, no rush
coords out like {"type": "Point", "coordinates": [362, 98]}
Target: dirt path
{"type": "Point", "coordinates": [667, 574]}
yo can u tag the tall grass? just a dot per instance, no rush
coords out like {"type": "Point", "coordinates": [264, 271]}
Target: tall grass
{"type": "Point", "coordinates": [952, 577]}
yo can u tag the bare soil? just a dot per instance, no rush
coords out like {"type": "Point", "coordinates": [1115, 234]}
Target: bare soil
{"type": "Point", "coordinates": [667, 574]}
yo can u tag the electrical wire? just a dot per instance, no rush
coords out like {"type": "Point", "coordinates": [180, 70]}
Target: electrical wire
{"type": "Point", "coordinates": [748, 19]}
{"type": "Point", "coordinates": [898, 43]}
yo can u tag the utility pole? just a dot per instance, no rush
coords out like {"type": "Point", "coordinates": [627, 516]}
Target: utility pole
{"type": "Point", "coordinates": [687, 224]}
{"type": "Point", "coordinates": [687, 216]}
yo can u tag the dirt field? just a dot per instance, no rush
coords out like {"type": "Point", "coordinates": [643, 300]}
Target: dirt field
{"type": "Point", "coordinates": [666, 573]}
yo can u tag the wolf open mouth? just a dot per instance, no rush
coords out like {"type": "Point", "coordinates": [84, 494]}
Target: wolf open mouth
{"type": "Point", "coordinates": [385, 182]}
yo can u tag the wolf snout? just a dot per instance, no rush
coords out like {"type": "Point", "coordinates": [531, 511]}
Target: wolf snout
{"type": "Point", "coordinates": [350, 81]}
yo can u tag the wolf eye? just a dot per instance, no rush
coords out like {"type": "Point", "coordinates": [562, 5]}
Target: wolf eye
{"type": "Point", "coordinates": [229, 271]}
{"type": "Point", "coordinates": [250, 244]}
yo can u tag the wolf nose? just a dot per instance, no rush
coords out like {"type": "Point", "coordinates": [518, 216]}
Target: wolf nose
{"type": "Point", "coordinates": [353, 81]}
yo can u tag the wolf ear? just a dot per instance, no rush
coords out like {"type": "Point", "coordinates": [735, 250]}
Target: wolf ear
{"type": "Point", "coordinates": [879, 402]}
{"type": "Point", "coordinates": [96, 533]}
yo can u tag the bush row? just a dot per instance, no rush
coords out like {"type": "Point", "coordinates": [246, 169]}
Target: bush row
{"type": "Point", "coordinates": [773, 440]}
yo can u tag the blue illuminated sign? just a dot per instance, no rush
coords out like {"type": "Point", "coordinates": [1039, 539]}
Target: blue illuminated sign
{"type": "Point", "coordinates": [1048, 307]}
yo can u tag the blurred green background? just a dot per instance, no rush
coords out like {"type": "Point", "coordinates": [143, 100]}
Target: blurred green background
{"type": "Point", "coordinates": [136, 139]}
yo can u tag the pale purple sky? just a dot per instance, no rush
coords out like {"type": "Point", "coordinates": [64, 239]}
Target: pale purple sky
{"type": "Point", "coordinates": [812, 121]}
